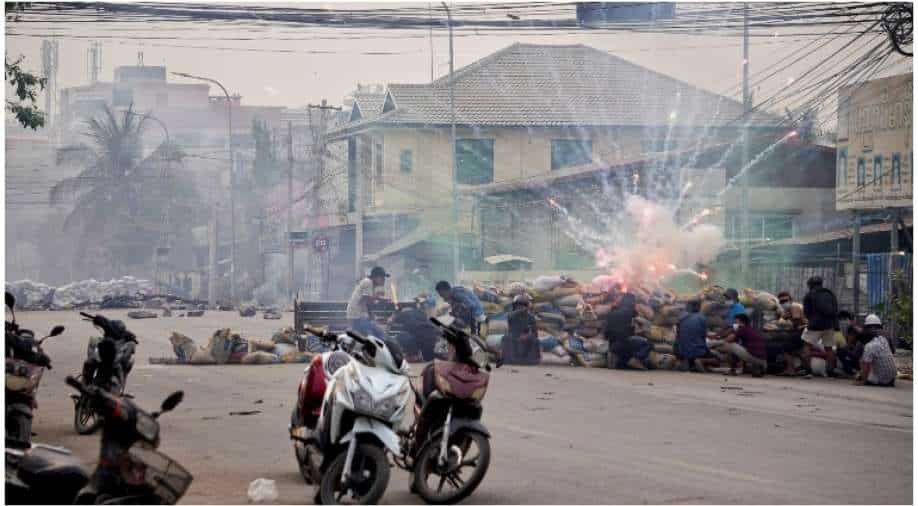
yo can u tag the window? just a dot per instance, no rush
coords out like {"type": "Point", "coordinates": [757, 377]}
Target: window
{"type": "Point", "coordinates": [474, 161]}
{"type": "Point", "coordinates": [570, 153]}
{"type": "Point", "coordinates": [842, 167]}
{"type": "Point", "coordinates": [896, 173]}
{"type": "Point", "coordinates": [404, 161]}
{"type": "Point", "coordinates": [777, 227]}
{"type": "Point", "coordinates": [378, 161]}
{"type": "Point", "coordinates": [861, 171]}
{"type": "Point", "coordinates": [878, 170]}
{"type": "Point", "coordinates": [762, 227]}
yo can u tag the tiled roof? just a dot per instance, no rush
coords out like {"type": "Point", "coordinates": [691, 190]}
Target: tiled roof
{"type": "Point", "coordinates": [370, 104]}
{"type": "Point", "coordinates": [552, 86]}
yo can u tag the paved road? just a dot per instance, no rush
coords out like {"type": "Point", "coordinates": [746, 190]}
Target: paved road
{"type": "Point", "coordinates": [561, 435]}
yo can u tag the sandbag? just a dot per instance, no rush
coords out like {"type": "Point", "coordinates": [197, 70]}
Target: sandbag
{"type": "Point", "coordinates": [709, 308]}
{"type": "Point", "coordinates": [261, 345]}
{"type": "Point", "coordinates": [644, 311]}
{"type": "Point", "coordinates": [662, 334]}
{"type": "Point", "coordinates": [665, 361]}
{"type": "Point", "coordinates": [553, 318]}
{"type": "Point", "coordinates": [517, 288]}
{"type": "Point", "coordinates": [668, 315]}
{"type": "Point", "coordinates": [546, 283]}
{"type": "Point", "coordinates": [260, 357]}
{"type": "Point", "coordinates": [569, 300]}
{"type": "Point", "coordinates": [247, 311]}
{"type": "Point", "coordinates": [219, 346]}
{"type": "Point", "coordinates": [183, 346]}
{"type": "Point", "coordinates": [500, 327]}
{"type": "Point", "coordinates": [587, 332]}
{"type": "Point", "coordinates": [761, 300]}
{"type": "Point", "coordinates": [552, 359]}
{"type": "Point", "coordinates": [570, 312]}
{"type": "Point", "coordinates": [602, 310]}
{"type": "Point", "coordinates": [287, 335]}
{"type": "Point", "coordinates": [544, 307]}
{"type": "Point", "coordinates": [714, 294]}
{"type": "Point", "coordinates": [547, 326]}
{"type": "Point", "coordinates": [281, 349]}
{"type": "Point", "coordinates": [141, 315]}
{"type": "Point", "coordinates": [596, 345]}
{"type": "Point", "coordinates": [296, 357]}
{"type": "Point", "coordinates": [590, 359]}
{"type": "Point", "coordinates": [642, 326]}
{"type": "Point", "coordinates": [492, 308]}
{"type": "Point", "coordinates": [663, 348]}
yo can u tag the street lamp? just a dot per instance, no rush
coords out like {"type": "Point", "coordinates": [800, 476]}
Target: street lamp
{"type": "Point", "coordinates": [229, 114]}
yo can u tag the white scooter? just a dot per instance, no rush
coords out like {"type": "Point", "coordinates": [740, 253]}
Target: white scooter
{"type": "Point", "coordinates": [365, 402]}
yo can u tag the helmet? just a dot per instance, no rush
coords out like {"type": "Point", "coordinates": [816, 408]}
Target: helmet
{"type": "Point", "coordinates": [873, 319]}
{"type": "Point", "coordinates": [814, 281]}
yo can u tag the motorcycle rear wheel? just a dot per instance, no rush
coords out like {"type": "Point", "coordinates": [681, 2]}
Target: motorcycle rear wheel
{"type": "Point", "coordinates": [367, 458]}
{"type": "Point", "coordinates": [461, 487]}
{"type": "Point", "coordinates": [85, 420]}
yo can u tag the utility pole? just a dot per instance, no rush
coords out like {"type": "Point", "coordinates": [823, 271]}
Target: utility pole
{"type": "Point", "coordinates": [430, 36]}
{"type": "Point", "coordinates": [856, 260]}
{"type": "Point", "coordinates": [290, 209]}
{"type": "Point", "coordinates": [744, 189]}
{"type": "Point", "coordinates": [452, 142]}
{"type": "Point", "coordinates": [319, 152]}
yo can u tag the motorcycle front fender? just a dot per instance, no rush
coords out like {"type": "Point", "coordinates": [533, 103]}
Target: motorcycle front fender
{"type": "Point", "coordinates": [375, 429]}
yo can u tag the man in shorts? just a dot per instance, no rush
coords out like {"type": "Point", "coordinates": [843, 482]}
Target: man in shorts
{"type": "Point", "coordinates": [821, 310]}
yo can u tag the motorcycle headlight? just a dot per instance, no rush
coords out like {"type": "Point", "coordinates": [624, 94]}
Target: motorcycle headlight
{"type": "Point", "coordinates": [147, 427]}
{"type": "Point", "coordinates": [384, 408]}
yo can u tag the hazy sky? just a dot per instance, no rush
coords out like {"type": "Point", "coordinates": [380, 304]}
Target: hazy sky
{"type": "Point", "coordinates": [263, 77]}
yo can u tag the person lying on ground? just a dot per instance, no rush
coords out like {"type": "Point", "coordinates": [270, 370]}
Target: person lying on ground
{"type": "Point", "coordinates": [791, 311]}
{"type": "Point", "coordinates": [747, 347]}
{"type": "Point", "coordinates": [691, 346]}
{"type": "Point", "coordinates": [521, 344]}
{"type": "Point", "coordinates": [878, 365]}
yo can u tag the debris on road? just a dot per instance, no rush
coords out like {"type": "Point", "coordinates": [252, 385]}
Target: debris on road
{"type": "Point", "coordinates": [141, 315]}
{"type": "Point", "coordinates": [262, 491]}
{"type": "Point", "coordinates": [272, 314]}
{"type": "Point", "coordinates": [244, 413]}
{"type": "Point", "coordinates": [247, 311]}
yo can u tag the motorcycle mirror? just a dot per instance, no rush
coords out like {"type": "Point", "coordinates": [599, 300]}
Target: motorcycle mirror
{"type": "Point", "coordinates": [56, 331]}
{"type": "Point", "coordinates": [10, 300]}
{"type": "Point", "coordinates": [172, 401]}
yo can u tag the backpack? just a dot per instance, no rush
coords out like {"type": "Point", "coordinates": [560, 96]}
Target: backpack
{"type": "Point", "coordinates": [824, 304]}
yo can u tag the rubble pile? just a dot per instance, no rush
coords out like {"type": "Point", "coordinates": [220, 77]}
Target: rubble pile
{"type": "Point", "coordinates": [115, 293]}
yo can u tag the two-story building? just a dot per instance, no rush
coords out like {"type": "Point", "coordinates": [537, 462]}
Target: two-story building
{"type": "Point", "coordinates": [532, 121]}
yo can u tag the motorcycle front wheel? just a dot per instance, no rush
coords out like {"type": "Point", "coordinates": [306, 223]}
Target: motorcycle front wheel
{"type": "Point", "coordinates": [469, 455]}
{"type": "Point", "coordinates": [85, 420]}
{"type": "Point", "coordinates": [369, 477]}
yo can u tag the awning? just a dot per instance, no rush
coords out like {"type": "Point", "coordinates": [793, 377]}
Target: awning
{"type": "Point", "coordinates": [424, 230]}
{"type": "Point", "coordinates": [500, 259]}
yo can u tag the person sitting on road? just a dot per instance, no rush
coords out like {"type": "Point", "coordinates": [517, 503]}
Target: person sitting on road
{"type": "Point", "coordinates": [878, 365]}
{"type": "Point", "coordinates": [464, 306]}
{"type": "Point", "coordinates": [691, 346]}
{"type": "Point", "coordinates": [625, 348]}
{"type": "Point", "coordinates": [746, 346]}
{"type": "Point", "coordinates": [369, 289]}
{"type": "Point", "coordinates": [521, 345]}
{"type": "Point", "coordinates": [735, 306]}
{"type": "Point", "coordinates": [821, 310]}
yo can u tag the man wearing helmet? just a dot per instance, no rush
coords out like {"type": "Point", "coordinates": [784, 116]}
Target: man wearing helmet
{"type": "Point", "coordinates": [878, 366]}
{"type": "Point", "coordinates": [521, 344]}
{"type": "Point", "coordinates": [821, 310]}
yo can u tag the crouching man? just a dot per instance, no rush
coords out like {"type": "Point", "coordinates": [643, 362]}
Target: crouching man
{"type": "Point", "coordinates": [746, 346]}
{"type": "Point", "coordinates": [878, 365]}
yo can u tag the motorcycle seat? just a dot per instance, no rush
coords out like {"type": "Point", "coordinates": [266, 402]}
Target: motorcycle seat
{"type": "Point", "coordinates": [45, 467]}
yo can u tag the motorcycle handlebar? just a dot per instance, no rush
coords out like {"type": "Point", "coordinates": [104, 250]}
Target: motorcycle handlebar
{"type": "Point", "coordinates": [76, 384]}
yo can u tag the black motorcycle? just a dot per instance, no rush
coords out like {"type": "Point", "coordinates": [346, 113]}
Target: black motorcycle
{"type": "Point", "coordinates": [85, 420]}
{"type": "Point", "coordinates": [25, 365]}
{"type": "Point", "coordinates": [130, 469]}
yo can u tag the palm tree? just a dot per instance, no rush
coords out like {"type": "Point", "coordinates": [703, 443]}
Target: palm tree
{"type": "Point", "coordinates": [117, 190]}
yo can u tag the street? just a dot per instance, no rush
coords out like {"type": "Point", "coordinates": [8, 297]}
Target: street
{"type": "Point", "coordinates": [560, 434]}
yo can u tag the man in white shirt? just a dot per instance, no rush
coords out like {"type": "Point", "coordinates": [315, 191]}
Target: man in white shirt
{"type": "Point", "coordinates": [878, 365]}
{"type": "Point", "coordinates": [368, 290]}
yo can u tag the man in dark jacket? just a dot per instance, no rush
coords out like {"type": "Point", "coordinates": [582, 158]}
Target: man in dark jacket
{"type": "Point", "coordinates": [625, 348]}
{"type": "Point", "coordinates": [691, 346]}
{"type": "Point", "coordinates": [521, 344]}
{"type": "Point", "coordinates": [417, 335]}
{"type": "Point", "coordinates": [821, 310]}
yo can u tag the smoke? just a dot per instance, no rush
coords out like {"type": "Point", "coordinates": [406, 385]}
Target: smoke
{"type": "Point", "coordinates": [648, 245]}
{"type": "Point", "coordinates": [271, 292]}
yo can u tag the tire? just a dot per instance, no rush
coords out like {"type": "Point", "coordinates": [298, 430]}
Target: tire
{"type": "Point", "coordinates": [84, 420]}
{"type": "Point", "coordinates": [427, 459]}
{"type": "Point", "coordinates": [370, 454]}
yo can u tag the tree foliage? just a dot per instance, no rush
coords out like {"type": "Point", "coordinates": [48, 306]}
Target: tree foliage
{"type": "Point", "coordinates": [26, 87]}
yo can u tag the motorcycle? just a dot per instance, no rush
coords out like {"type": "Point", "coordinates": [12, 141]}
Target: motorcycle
{"type": "Point", "coordinates": [447, 435]}
{"type": "Point", "coordinates": [85, 421]}
{"type": "Point", "coordinates": [130, 469]}
{"type": "Point", "coordinates": [365, 398]}
{"type": "Point", "coordinates": [25, 364]}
